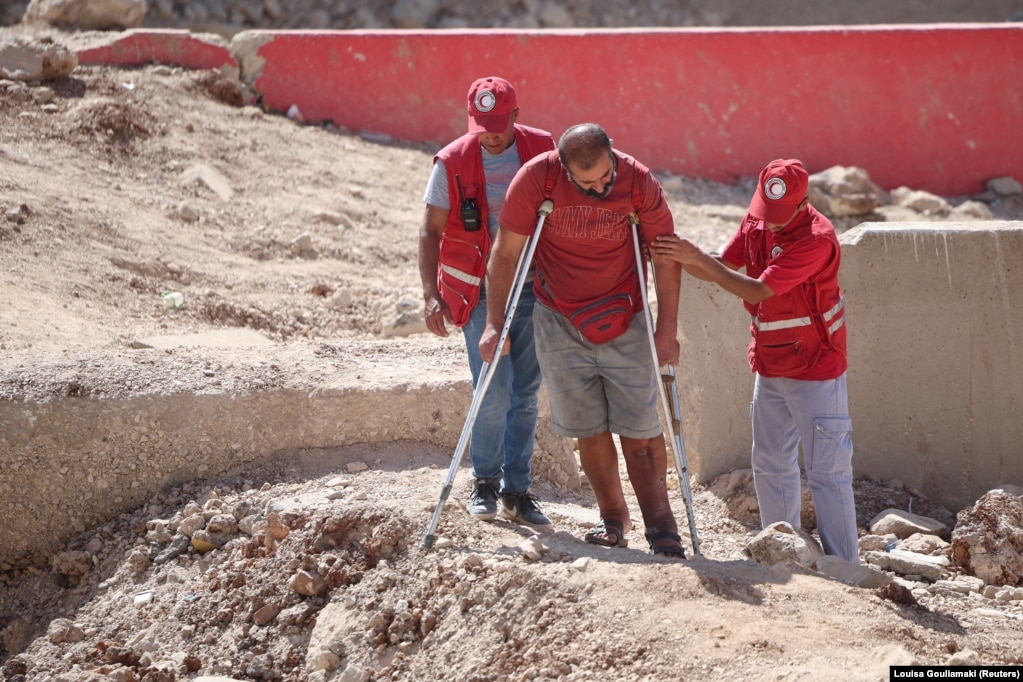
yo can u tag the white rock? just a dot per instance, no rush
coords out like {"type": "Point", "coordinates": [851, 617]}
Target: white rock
{"type": "Point", "coordinates": [920, 201]}
{"type": "Point", "coordinates": [903, 524]}
{"type": "Point", "coordinates": [780, 542]}
{"type": "Point", "coordinates": [90, 15]}
{"type": "Point", "coordinates": [531, 548]}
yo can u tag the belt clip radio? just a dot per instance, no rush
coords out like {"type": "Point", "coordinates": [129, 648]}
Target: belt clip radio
{"type": "Point", "coordinates": [468, 211]}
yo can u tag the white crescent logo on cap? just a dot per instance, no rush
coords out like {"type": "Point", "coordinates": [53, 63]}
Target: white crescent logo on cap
{"type": "Point", "coordinates": [485, 101]}
{"type": "Point", "coordinates": [775, 188]}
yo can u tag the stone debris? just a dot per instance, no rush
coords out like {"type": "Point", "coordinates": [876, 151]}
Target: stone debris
{"type": "Point", "coordinates": [921, 201]}
{"type": "Point", "coordinates": [89, 15]}
{"type": "Point", "coordinates": [1005, 186]}
{"type": "Point", "coordinates": [24, 58]}
{"type": "Point", "coordinates": [925, 543]}
{"type": "Point", "coordinates": [581, 564]}
{"type": "Point", "coordinates": [909, 563]}
{"type": "Point", "coordinates": [531, 548]}
{"type": "Point", "coordinates": [971, 210]}
{"type": "Point", "coordinates": [903, 524]}
{"type": "Point", "coordinates": [343, 575]}
{"type": "Point", "coordinates": [72, 565]}
{"type": "Point", "coordinates": [877, 543]}
{"type": "Point", "coordinates": [841, 192]}
{"type": "Point", "coordinates": [62, 630]}
{"type": "Point", "coordinates": [987, 541]}
{"type": "Point", "coordinates": [211, 178]}
{"type": "Point", "coordinates": [781, 543]}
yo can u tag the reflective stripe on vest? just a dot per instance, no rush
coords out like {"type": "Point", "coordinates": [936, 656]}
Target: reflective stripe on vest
{"type": "Point", "coordinates": [803, 321]}
{"type": "Point", "coordinates": [781, 324]}
{"type": "Point", "coordinates": [838, 308]}
{"type": "Point", "coordinates": [462, 275]}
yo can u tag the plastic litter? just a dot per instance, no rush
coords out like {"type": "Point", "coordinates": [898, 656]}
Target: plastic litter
{"type": "Point", "coordinates": [173, 299]}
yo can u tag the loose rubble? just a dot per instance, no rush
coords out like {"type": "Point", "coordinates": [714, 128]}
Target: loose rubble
{"type": "Point", "coordinates": [322, 579]}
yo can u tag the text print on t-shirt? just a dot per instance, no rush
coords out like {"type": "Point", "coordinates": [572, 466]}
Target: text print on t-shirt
{"type": "Point", "coordinates": [573, 222]}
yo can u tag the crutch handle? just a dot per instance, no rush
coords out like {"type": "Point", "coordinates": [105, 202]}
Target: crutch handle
{"type": "Point", "coordinates": [668, 378]}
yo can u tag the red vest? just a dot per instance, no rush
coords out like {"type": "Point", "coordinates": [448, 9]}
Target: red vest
{"type": "Point", "coordinates": [463, 254]}
{"type": "Point", "coordinates": [800, 334]}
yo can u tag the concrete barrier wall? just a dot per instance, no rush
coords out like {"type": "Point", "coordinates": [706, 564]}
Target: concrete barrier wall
{"type": "Point", "coordinates": [931, 107]}
{"type": "Point", "coordinates": [72, 464]}
{"type": "Point", "coordinates": [935, 360]}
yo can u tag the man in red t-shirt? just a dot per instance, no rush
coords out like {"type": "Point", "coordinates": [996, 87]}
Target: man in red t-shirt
{"type": "Point", "coordinates": [798, 350]}
{"type": "Point", "coordinates": [593, 347]}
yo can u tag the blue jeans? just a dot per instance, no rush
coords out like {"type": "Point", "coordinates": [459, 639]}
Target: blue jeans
{"type": "Point", "coordinates": [505, 429]}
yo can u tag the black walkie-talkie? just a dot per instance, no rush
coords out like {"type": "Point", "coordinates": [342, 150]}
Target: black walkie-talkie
{"type": "Point", "coordinates": [467, 210]}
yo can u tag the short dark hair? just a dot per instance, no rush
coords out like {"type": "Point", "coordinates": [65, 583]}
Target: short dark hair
{"type": "Point", "coordinates": [583, 145]}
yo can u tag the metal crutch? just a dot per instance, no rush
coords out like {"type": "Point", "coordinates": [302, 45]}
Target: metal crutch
{"type": "Point", "coordinates": [671, 406]}
{"type": "Point", "coordinates": [488, 368]}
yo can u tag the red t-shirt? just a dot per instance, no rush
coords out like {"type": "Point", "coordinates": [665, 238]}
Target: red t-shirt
{"type": "Point", "coordinates": [585, 249]}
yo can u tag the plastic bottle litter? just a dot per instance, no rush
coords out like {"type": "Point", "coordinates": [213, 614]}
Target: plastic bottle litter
{"type": "Point", "coordinates": [173, 299]}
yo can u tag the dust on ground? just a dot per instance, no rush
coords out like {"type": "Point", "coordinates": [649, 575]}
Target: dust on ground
{"type": "Point", "coordinates": [117, 185]}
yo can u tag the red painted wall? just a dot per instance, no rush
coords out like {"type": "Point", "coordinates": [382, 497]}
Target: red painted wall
{"type": "Point", "coordinates": [175, 48]}
{"type": "Point", "coordinates": [935, 107]}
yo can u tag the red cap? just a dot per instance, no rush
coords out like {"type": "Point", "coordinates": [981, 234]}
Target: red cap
{"type": "Point", "coordinates": [783, 185]}
{"type": "Point", "coordinates": [491, 103]}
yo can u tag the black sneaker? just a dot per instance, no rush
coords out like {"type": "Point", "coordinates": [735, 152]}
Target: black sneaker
{"type": "Point", "coordinates": [483, 500]}
{"type": "Point", "coordinates": [522, 509]}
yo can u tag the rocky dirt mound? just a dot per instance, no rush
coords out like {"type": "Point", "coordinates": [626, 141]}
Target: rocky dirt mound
{"type": "Point", "coordinates": [303, 576]}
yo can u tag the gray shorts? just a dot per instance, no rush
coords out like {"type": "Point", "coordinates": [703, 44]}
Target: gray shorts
{"type": "Point", "coordinates": [594, 388]}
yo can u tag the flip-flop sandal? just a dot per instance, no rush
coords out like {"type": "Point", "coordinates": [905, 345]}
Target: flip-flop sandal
{"type": "Point", "coordinates": [674, 549]}
{"type": "Point", "coordinates": [614, 530]}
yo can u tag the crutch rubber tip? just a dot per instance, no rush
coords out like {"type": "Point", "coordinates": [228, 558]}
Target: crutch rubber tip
{"type": "Point", "coordinates": [545, 208]}
{"type": "Point", "coordinates": [427, 542]}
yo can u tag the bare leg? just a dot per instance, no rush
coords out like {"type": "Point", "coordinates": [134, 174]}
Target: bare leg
{"type": "Point", "coordinates": [599, 459]}
{"type": "Point", "coordinates": [646, 460]}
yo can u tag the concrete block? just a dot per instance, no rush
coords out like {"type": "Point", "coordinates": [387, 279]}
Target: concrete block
{"type": "Point", "coordinates": [935, 360]}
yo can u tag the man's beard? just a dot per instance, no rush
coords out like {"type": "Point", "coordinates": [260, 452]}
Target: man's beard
{"type": "Point", "coordinates": [593, 194]}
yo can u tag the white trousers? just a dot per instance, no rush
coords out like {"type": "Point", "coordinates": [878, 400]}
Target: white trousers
{"type": "Point", "coordinates": [785, 413]}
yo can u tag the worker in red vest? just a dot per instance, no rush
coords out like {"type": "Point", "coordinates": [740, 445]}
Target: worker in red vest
{"type": "Point", "coordinates": [791, 257]}
{"type": "Point", "coordinates": [463, 199]}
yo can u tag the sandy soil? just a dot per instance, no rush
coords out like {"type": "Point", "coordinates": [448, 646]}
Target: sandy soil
{"type": "Point", "coordinates": [119, 185]}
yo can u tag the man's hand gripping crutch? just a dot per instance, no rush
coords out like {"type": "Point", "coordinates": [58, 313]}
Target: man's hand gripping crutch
{"type": "Point", "coordinates": [488, 368]}
{"type": "Point", "coordinates": [668, 391]}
